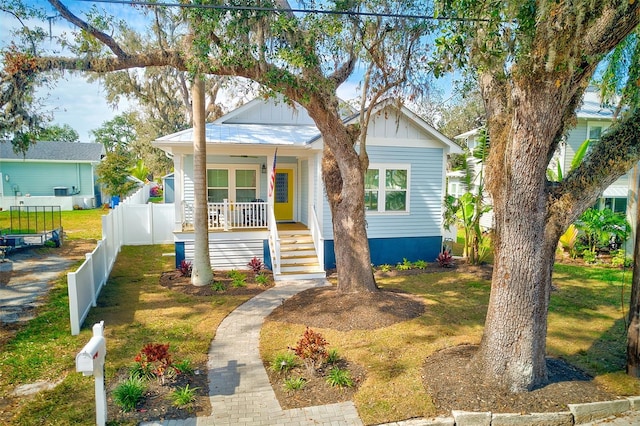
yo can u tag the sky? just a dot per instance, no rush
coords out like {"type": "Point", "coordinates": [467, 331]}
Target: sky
{"type": "Point", "coordinates": [77, 103]}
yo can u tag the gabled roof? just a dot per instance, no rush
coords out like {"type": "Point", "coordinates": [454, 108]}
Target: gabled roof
{"type": "Point", "coordinates": [264, 122]}
{"type": "Point", "coordinates": [592, 108]}
{"type": "Point", "coordinates": [55, 151]}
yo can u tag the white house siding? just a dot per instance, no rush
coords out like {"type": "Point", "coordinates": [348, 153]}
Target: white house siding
{"type": "Point", "coordinates": [575, 138]}
{"type": "Point", "coordinates": [425, 191]}
{"type": "Point", "coordinates": [229, 253]}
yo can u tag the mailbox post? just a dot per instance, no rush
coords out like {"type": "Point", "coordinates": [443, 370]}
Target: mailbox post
{"type": "Point", "coordinates": [90, 362]}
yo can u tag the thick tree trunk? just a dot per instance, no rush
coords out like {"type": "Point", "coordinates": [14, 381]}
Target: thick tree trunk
{"type": "Point", "coordinates": [201, 273]}
{"type": "Point", "coordinates": [633, 330]}
{"type": "Point", "coordinates": [343, 177]}
{"type": "Point", "coordinates": [513, 346]}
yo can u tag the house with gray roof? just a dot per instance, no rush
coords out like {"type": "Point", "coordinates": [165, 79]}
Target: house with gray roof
{"type": "Point", "coordinates": [266, 197]}
{"type": "Point", "coordinates": [50, 174]}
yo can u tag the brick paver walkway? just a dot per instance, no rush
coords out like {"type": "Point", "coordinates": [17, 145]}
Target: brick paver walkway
{"type": "Point", "coordinates": [239, 387]}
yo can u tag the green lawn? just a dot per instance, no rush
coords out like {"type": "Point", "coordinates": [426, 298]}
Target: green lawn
{"type": "Point", "coordinates": [585, 327]}
{"type": "Point", "coordinates": [77, 224]}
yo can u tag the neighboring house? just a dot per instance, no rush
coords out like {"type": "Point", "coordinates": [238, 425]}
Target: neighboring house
{"type": "Point", "coordinates": [291, 229]}
{"type": "Point", "coordinates": [50, 174]}
{"type": "Point", "coordinates": [592, 121]}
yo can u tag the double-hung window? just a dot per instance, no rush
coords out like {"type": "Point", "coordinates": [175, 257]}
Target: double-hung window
{"type": "Point", "coordinates": [238, 184]}
{"type": "Point", "coordinates": [386, 188]}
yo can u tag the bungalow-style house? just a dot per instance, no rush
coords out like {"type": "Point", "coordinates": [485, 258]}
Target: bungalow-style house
{"type": "Point", "coordinates": [50, 174]}
{"type": "Point", "coordinates": [592, 121]}
{"type": "Point", "coordinates": [290, 227]}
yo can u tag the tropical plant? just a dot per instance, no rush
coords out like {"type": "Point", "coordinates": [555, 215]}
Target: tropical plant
{"type": "Point", "coordinates": [262, 279]}
{"type": "Point", "coordinates": [444, 259]}
{"type": "Point", "coordinates": [568, 240]}
{"type": "Point", "coordinates": [127, 394]}
{"type": "Point", "coordinates": [339, 377]}
{"type": "Point", "coordinates": [294, 383]}
{"type": "Point", "coordinates": [185, 268]}
{"type": "Point", "coordinates": [602, 227]}
{"type": "Point", "coordinates": [283, 362]}
{"type": "Point", "coordinates": [218, 286]}
{"type": "Point", "coordinates": [312, 349]}
{"type": "Point", "coordinates": [185, 396]}
{"type": "Point", "coordinates": [256, 265]}
{"type": "Point", "coordinates": [155, 357]}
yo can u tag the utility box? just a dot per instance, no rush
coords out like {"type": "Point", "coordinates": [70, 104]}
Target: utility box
{"type": "Point", "coordinates": [60, 191]}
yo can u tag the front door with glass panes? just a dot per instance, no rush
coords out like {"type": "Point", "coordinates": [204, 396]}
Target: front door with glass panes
{"type": "Point", "coordinates": [283, 195]}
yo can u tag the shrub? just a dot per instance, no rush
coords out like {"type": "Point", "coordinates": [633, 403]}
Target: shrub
{"type": "Point", "coordinates": [183, 397]}
{"type": "Point", "coordinates": [294, 383]}
{"type": "Point", "coordinates": [237, 278]}
{"type": "Point", "coordinates": [155, 357]}
{"type": "Point", "coordinates": [588, 256]}
{"type": "Point", "coordinates": [340, 378]}
{"type": "Point", "coordinates": [128, 393]}
{"type": "Point", "coordinates": [445, 260]}
{"type": "Point", "coordinates": [420, 264]}
{"type": "Point", "coordinates": [384, 268]}
{"type": "Point", "coordinates": [620, 260]}
{"type": "Point", "coordinates": [283, 362]}
{"type": "Point", "coordinates": [184, 367]}
{"type": "Point", "coordinates": [262, 279]}
{"type": "Point", "coordinates": [405, 265]}
{"type": "Point", "coordinates": [333, 356]}
{"type": "Point", "coordinates": [185, 268]}
{"type": "Point", "coordinates": [256, 265]}
{"type": "Point", "coordinates": [218, 286]}
{"type": "Point", "coordinates": [312, 349]}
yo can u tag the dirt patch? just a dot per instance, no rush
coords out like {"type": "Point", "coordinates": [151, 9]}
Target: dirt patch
{"type": "Point", "coordinates": [325, 307]}
{"type": "Point", "coordinates": [223, 284]}
{"type": "Point", "coordinates": [316, 390]}
{"type": "Point", "coordinates": [454, 384]}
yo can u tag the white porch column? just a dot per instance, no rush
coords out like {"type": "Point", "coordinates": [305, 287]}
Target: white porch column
{"type": "Point", "coordinates": [178, 197]}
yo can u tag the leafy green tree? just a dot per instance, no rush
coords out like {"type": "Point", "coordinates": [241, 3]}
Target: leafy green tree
{"type": "Point", "coordinates": [532, 62]}
{"type": "Point", "coordinates": [304, 57]}
{"type": "Point", "coordinates": [117, 134]}
{"type": "Point", "coordinates": [465, 113]}
{"type": "Point", "coordinates": [56, 133]}
{"type": "Point", "coordinates": [113, 174]}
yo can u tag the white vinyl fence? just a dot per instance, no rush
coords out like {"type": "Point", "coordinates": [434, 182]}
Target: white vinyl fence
{"type": "Point", "coordinates": [132, 222]}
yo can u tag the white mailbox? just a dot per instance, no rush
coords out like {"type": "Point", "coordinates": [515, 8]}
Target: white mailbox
{"type": "Point", "coordinates": [91, 357]}
{"type": "Point", "coordinates": [90, 362]}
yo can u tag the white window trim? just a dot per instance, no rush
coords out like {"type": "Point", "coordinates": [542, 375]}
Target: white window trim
{"type": "Point", "coordinates": [232, 176]}
{"type": "Point", "coordinates": [605, 125]}
{"type": "Point", "coordinates": [382, 168]}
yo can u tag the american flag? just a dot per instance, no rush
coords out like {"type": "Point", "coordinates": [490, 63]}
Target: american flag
{"type": "Point", "coordinates": [272, 180]}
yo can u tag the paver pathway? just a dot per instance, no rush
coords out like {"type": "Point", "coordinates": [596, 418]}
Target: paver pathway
{"type": "Point", "coordinates": [239, 387]}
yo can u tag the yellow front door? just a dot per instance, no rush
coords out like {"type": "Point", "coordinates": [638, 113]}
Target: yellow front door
{"type": "Point", "coordinates": [283, 195]}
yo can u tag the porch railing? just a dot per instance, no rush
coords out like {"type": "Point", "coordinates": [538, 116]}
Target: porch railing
{"type": "Point", "coordinates": [229, 215]}
{"type": "Point", "coordinates": [274, 242]}
{"type": "Point", "coordinates": [316, 233]}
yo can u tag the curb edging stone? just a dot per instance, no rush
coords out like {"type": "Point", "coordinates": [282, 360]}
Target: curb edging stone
{"type": "Point", "coordinates": [588, 412]}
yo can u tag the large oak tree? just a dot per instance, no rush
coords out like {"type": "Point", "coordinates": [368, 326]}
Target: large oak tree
{"type": "Point", "coordinates": [533, 61]}
{"type": "Point", "coordinates": [305, 57]}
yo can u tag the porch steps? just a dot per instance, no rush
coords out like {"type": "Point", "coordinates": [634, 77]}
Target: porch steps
{"type": "Point", "coordinates": [298, 257]}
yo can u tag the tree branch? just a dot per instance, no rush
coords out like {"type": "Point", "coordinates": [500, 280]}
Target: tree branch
{"type": "Point", "coordinates": [104, 38]}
